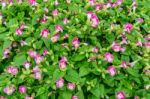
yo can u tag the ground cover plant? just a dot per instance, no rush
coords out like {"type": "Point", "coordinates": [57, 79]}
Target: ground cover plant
{"type": "Point", "coordinates": [74, 49]}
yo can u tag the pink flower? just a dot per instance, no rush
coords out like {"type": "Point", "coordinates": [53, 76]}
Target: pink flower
{"type": "Point", "coordinates": [111, 70]}
{"type": "Point", "coordinates": [65, 21]}
{"type": "Point", "coordinates": [147, 37]}
{"type": "Point", "coordinates": [22, 26]}
{"type": "Point", "coordinates": [147, 44]}
{"type": "Point", "coordinates": [76, 42]}
{"type": "Point", "coordinates": [45, 33]}
{"type": "Point", "coordinates": [63, 63]}
{"type": "Point", "coordinates": [22, 89]}
{"type": "Point", "coordinates": [55, 38]}
{"type": "Point", "coordinates": [94, 20]}
{"type": "Point", "coordinates": [22, 43]}
{"type": "Point", "coordinates": [9, 90]}
{"type": "Point", "coordinates": [134, 5]}
{"type": "Point", "coordinates": [109, 4]}
{"type": "Point", "coordinates": [109, 57]}
{"type": "Point", "coordinates": [89, 14]}
{"type": "Point", "coordinates": [32, 53]}
{"type": "Point", "coordinates": [27, 64]}
{"type": "Point", "coordinates": [45, 52]}
{"type": "Point", "coordinates": [38, 59]}
{"type": "Point", "coordinates": [55, 12]}
{"type": "Point", "coordinates": [60, 83]}
{"type": "Point", "coordinates": [46, 10]}
{"type": "Point", "coordinates": [136, 97]}
{"type": "Point", "coordinates": [18, 31]}
{"type": "Point", "coordinates": [59, 28]}
{"type": "Point", "coordinates": [124, 40]}
{"type": "Point", "coordinates": [74, 97]}
{"type": "Point", "coordinates": [95, 50]}
{"type": "Point", "coordinates": [71, 86]}
{"type": "Point", "coordinates": [37, 73]}
{"type": "Point", "coordinates": [116, 47]}
{"type": "Point", "coordinates": [120, 95]}
{"type": "Point", "coordinates": [32, 2]}
{"type": "Point", "coordinates": [140, 20]}
{"type": "Point", "coordinates": [128, 27]}
{"type": "Point", "coordinates": [56, 2]}
{"type": "Point", "coordinates": [139, 43]}
{"type": "Point", "coordinates": [12, 70]}
{"type": "Point", "coordinates": [44, 19]}
{"type": "Point", "coordinates": [92, 2]}
{"type": "Point", "coordinates": [29, 97]}
{"type": "Point", "coordinates": [119, 2]}
{"type": "Point", "coordinates": [98, 6]}
{"type": "Point", "coordinates": [66, 36]}
{"type": "Point", "coordinates": [124, 64]}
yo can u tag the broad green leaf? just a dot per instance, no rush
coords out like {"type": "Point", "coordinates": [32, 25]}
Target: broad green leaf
{"type": "Point", "coordinates": [19, 59]}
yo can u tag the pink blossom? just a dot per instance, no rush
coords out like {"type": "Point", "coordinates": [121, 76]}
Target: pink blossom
{"type": "Point", "coordinates": [22, 43]}
{"type": "Point", "coordinates": [140, 20]}
{"type": "Point", "coordinates": [12, 70]}
{"type": "Point", "coordinates": [76, 42]}
{"type": "Point", "coordinates": [22, 89]}
{"type": "Point", "coordinates": [109, 57]}
{"type": "Point", "coordinates": [98, 6]}
{"type": "Point", "coordinates": [111, 70]}
{"type": "Point", "coordinates": [45, 33]}
{"type": "Point", "coordinates": [147, 44]}
{"type": "Point", "coordinates": [9, 90]}
{"type": "Point", "coordinates": [27, 64]}
{"type": "Point", "coordinates": [109, 4]}
{"type": "Point", "coordinates": [65, 21]}
{"type": "Point", "coordinates": [55, 38]}
{"type": "Point", "coordinates": [55, 12]}
{"type": "Point", "coordinates": [136, 97]}
{"type": "Point", "coordinates": [37, 73]}
{"type": "Point", "coordinates": [74, 97]}
{"type": "Point", "coordinates": [122, 49]}
{"type": "Point", "coordinates": [134, 5]}
{"type": "Point", "coordinates": [116, 47]}
{"type": "Point", "coordinates": [124, 64]}
{"type": "Point", "coordinates": [46, 10]}
{"type": "Point", "coordinates": [45, 52]}
{"type": "Point", "coordinates": [89, 14]}
{"type": "Point", "coordinates": [95, 50]}
{"type": "Point", "coordinates": [147, 37]}
{"type": "Point", "coordinates": [63, 63]}
{"type": "Point", "coordinates": [139, 43]}
{"type": "Point", "coordinates": [59, 28]}
{"type": "Point", "coordinates": [119, 2]}
{"type": "Point", "coordinates": [18, 31]}
{"type": "Point", "coordinates": [66, 36]}
{"type": "Point", "coordinates": [128, 27]}
{"type": "Point", "coordinates": [38, 59]}
{"type": "Point", "coordinates": [60, 83]}
{"type": "Point", "coordinates": [71, 86]}
{"type": "Point", "coordinates": [120, 95]}
{"type": "Point", "coordinates": [22, 26]}
{"type": "Point", "coordinates": [124, 40]}
{"type": "Point", "coordinates": [94, 21]}
{"type": "Point", "coordinates": [92, 2]}
{"type": "Point", "coordinates": [44, 19]}
{"type": "Point", "coordinates": [32, 53]}
{"type": "Point", "coordinates": [32, 2]}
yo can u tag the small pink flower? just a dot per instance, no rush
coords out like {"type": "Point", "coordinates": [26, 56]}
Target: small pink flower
{"type": "Point", "coordinates": [122, 49]}
{"type": "Point", "coordinates": [136, 97]}
{"type": "Point", "coordinates": [27, 64]}
{"type": "Point", "coordinates": [32, 53]}
{"type": "Point", "coordinates": [59, 28]}
{"type": "Point", "coordinates": [95, 50]}
{"type": "Point", "coordinates": [22, 89]}
{"type": "Point", "coordinates": [55, 12]}
{"type": "Point", "coordinates": [111, 70]}
{"type": "Point", "coordinates": [128, 27]}
{"type": "Point", "coordinates": [139, 43]}
{"type": "Point", "coordinates": [44, 19]}
{"type": "Point", "coordinates": [140, 20]}
{"type": "Point", "coordinates": [76, 42]}
{"type": "Point", "coordinates": [66, 36]}
{"type": "Point", "coordinates": [109, 4]}
{"type": "Point", "coordinates": [147, 37]}
{"type": "Point", "coordinates": [12, 70]}
{"type": "Point", "coordinates": [38, 59]}
{"type": "Point", "coordinates": [55, 38]}
{"type": "Point", "coordinates": [109, 57]}
{"type": "Point", "coordinates": [63, 63]}
{"type": "Point", "coordinates": [98, 6]}
{"type": "Point", "coordinates": [124, 64]}
{"type": "Point", "coordinates": [92, 2]}
{"type": "Point", "coordinates": [60, 83]}
{"type": "Point", "coordinates": [45, 52]}
{"type": "Point", "coordinates": [94, 21]}
{"type": "Point", "coordinates": [6, 51]}
{"type": "Point", "coordinates": [18, 31]}
{"type": "Point", "coordinates": [134, 5]}
{"type": "Point", "coordinates": [71, 86]}
{"type": "Point", "coordinates": [116, 47]}
{"type": "Point", "coordinates": [37, 73]}
{"type": "Point", "coordinates": [45, 33]}
{"type": "Point", "coordinates": [22, 43]}
{"type": "Point", "coordinates": [124, 40]}
{"type": "Point", "coordinates": [147, 44]}
{"type": "Point", "coordinates": [22, 26]}
{"type": "Point", "coordinates": [119, 2]}
{"type": "Point", "coordinates": [65, 21]}
{"type": "Point", "coordinates": [46, 10]}
{"type": "Point", "coordinates": [89, 14]}
{"type": "Point", "coordinates": [9, 90]}
{"type": "Point", "coordinates": [74, 97]}
{"type": "Point", "coordinates": [32, 2]}
{"type": "Point", "coordinates": [120, 95]}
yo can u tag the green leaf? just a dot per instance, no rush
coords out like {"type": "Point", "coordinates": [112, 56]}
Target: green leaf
{"type": "Point", "coordinates": [78, 57]}
{"type": "Point", "coordinates": [96, 91]}
{"type": "Point", "coordinates": [72, 76]}
{"type": "Point", "coordinates": [38, 44]}
{"type": "Point", "coordinates": [19, 59]}
{"type": "Point", "coordinates": [84, 71]}
{"type": "Point", "coordinates": [7, 43]}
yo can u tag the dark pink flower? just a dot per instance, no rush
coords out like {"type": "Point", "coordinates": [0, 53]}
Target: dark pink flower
{"type": "Point", "coordinates": [9, 90]}
{"type": "Point", "coordinates": [45, 52]}
{"type": "Point", "coordinates": [63, 63]}
{"type": "Point", "coordinates": [76, 42]}
{"type": "Point", "coordinates": [128, 27]}
{"type": "Point", "coordinates": [109, 57]}
{"type": "Point", "coordinates": [98, 6]}
{"type": "Point", "coordinates": [27, 64]}
{"type": "Point", "coordinates": [74, 97]}
{"type": "Point", "coordinates": [92, 2]}
{"type": "Point", "coordinates": [120, 95]}
{"type": "Point", "coordinates": [60, 83]}
{"type": "Point", "coordinates": [55, 12]}
{"type": "Point", "coordinates": [71, 86]}
{"type": "Point", "coordinates": [32, 2]}
{"type": "Point", "coordinates": [44, 19]}
{"type": "Point", "coordinates": [22, 89]}
{"type": "Point", "coordinates": [55, 38]}
{"type": "Point", "coordinates": [89, 14]}
{"type": "Point", "coordinates": [111, 70]}
{"type": "Point", "coordinates": [147, 44]}
{"type": "Point", "coordinates": [119, 2]}
{"type": "Point", "coordinates": [12, 70]}
{"type": "Point", "coordinates": [45, 33]}
{"type": "Point", "coordinates": [59, 28]}
{"type": "Point", "coordinates": [94, 21]}
{"type": "Point", "coordinates": [19, 31]}
{"type": "Point", "coordinates": [140, 20]}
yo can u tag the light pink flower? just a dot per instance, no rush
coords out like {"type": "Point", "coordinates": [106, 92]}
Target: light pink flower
{"type": "Point", "coordinates": [9, 90]}
{"type": "Point", "coordinates": [32, 2]}
{"type": "Point", "coordinates": [139, 43]}
{"type": "Point", "coordinates": [92, 2]}
{"type": "Point", "coordinates": [76, 42]}
{"type": "Point", "coordinates": [136, 97]}
{"type": "Point", "coordinates": [109, 57]}
{"type": "Point", "coordinates": [27, 64]}
{"type": "Point", "coordinates": [94, 21]}
{"type": "Point", "coordinates": [147, 44]}
{"type": "Point", "coordinates": [65, 21]}
{"type": "Point", "coordinates": [60, 83]}
{"type": "Point", "coordinates": [45, 52]}
{"type": "Point", "coordinates": [98, 6]}
{"type": "Point", "coordinates": [134, 5]}
{"type": "Point", "coordinates": [89, 14]}
{"type": "Point", "coordinates": [128, 27]}
{"type": "Point", "coordinates": [95, 50]}
{"type": "Point", "coordinates": [109, 4]}
{"type": "Point", "coordinates": [22, 43]}
{"type": "Point", "coordinates": [124, 64]}
{"type": "Point", "coordinates": [116, 47]}
{"type": "Point", "coordinates": [120, 95]}
{"type": "Point", "coordinates": [44, 33]}
{"type": "Point", "coordinates": [66, 36]}
{"type": "Point", "coordinates": [71, 86]}
{"type": "Point", "coordinates": [22, 89]}
{"type": "Point", "coordinates": [29, 97]}
{"type": "Point", "coordinates": [140, 20]}
{"type": "Point", "coordinates": [55, 38]}
{"type": "Point", "coordinates": [38, 59]}
{"type": "Point", "coordinates": [119, 2]}
{"type": "Point", "coordinates": [59, 28]}
{"type": "Point", "coordinates": [55, 12]}
{"type": "Point", "coordinates": [12, 70]}
{"type": "Point", "coordinates": [111, 70]}
{"type": "Point", "coordinates": [37, 73]}
{"type": "Point", "coordinates": [32, 53]}
{"type": "Point", "coordinates": [46, 10]}
{"type": "Point", "coordinates": [19, 31]}
{"type": "Point", "coordinates": [63, 63]}
{"type": "Point", "coordinates": [74, 97]}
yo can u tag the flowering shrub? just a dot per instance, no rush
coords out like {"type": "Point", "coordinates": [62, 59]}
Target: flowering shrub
{"type": "Point", "coordinates": [74, 49]}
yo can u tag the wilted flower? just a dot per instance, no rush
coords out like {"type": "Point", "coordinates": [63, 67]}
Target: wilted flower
{"type": "Point", "coordinates": [109, 57]}
{"type": "Point", "coordinates": [71, 86]}
{"type": "Point", "coordinates": [12, 70]}
{"type": "Point", "coordinates": [59, 28]}
{"type": "Point", "coordinates": [22, 89]}
{"type": "Point", "coordinates": [120, 95]}
{"type": "Point", "coordinates": [55, 38]}
{"type": "Point", "coordinates": [55, 12]}
{"type": "Point", "coordinates": [9, 90]}
{"type": "Point", "coordinates": [128, 27]}
{"type": "Point", "coordinates": [111, 70]}
{"type": "Point", "coordinates": [45, 33]}
{"type": "Point", "coordinates": [60, 83]}
{"type": "Point", "coordinates": [19, 31]}
{"type": "Point", "coordinates": [38, 59]}
{"type": "Point", "coordinates": [76, 42]}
